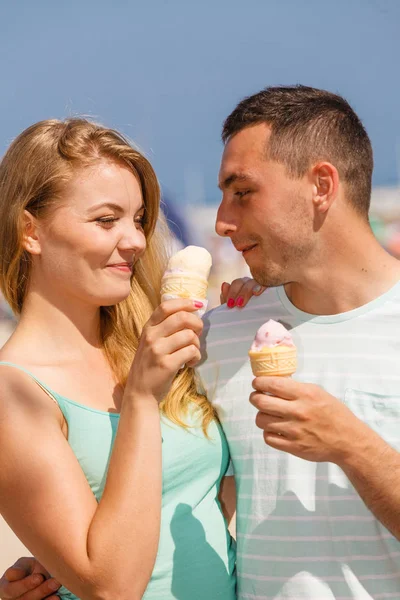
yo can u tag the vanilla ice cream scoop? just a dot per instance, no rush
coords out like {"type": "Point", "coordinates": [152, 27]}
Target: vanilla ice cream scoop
{"type": "Point", "coordinates": [192, 259]}
{"type": "Point", "coordinates": [187, 276]}
{"type": "Point", "coordinates": [271, 334]}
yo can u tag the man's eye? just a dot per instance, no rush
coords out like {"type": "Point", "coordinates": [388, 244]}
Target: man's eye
{"type": "Point", "coordinates": [240, 194]}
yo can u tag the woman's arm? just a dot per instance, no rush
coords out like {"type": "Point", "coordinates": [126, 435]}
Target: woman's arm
{"type": "Point", "coordinates": [102, 551]}
{"type": "Point", "coordinates": [46, 500]}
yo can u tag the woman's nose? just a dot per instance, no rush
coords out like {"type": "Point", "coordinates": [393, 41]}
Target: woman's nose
{"type": "Point", "coordinates": [133, 239]}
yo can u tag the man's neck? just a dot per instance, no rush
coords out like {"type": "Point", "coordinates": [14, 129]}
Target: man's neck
{"type": "Point", "coordinates": [349, 274]}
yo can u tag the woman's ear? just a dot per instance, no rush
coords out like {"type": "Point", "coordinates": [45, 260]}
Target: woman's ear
{"type": "Point", "coordinates": [30, 240]}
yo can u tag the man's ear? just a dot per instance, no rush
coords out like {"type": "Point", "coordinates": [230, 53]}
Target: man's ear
{"type": "Point", "coordinates": [325, 179]}
{"type": "Point", "coordinates": [30, 240]}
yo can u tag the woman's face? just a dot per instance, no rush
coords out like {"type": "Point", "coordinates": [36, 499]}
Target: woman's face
{"type": "Point", "coordinates": [87, 248]}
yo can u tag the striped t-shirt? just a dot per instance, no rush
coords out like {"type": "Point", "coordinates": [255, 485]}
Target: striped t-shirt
{"type": "Point", "coordinates": [302, 530]}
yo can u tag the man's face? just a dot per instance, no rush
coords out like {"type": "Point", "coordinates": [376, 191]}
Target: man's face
{"type": "Point", "coordinates": [267, 214]}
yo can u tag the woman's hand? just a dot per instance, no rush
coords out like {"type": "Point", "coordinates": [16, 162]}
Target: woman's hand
{"type": "Point", "coordinates": [27, 580]}
{"type": "Point", "coordinates": [239, 292]}
{"type": "Point", "coordinates": [169, 340]}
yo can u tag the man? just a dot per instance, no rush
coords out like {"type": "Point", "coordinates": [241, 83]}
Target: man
{"type": "Point", "coordinates": [317, 492]}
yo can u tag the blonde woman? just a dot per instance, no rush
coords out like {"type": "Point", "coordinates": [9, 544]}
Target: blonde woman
{"type": "Point", "coordinates": [115, 502]}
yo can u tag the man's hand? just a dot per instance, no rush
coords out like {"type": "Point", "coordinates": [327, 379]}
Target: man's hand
{"type": "Point", "coordinates": [304, 420]}
{"type": "Point", "coordinates": [27, 580]}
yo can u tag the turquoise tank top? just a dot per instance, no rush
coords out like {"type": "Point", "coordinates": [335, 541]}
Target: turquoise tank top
{"type": "Point", "coordinates": [196, 555]}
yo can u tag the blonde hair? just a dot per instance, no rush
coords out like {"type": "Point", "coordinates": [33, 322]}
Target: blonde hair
{"type": "Point", "coordinates": [33, 173]}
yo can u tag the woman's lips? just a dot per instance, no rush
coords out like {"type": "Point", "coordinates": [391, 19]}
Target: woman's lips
{"type": "Point", "coordinates": [124, 267]}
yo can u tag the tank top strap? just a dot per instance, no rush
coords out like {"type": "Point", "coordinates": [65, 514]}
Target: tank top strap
{"type": "Point", "coordinates": [44, 387]}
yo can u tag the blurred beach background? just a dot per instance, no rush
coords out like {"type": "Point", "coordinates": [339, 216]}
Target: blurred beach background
{"type": "Point", "coordinates": [166, 74]}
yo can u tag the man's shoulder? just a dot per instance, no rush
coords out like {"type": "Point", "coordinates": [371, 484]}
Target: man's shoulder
{"type": "Point", "coordinates": [220, 314]}
{"type": "Point", "coordinates": [395, 298]}
{"type": "Point", "coordinates": [224, 325]}
{"type": "Point", "coordinates": [228, 334]}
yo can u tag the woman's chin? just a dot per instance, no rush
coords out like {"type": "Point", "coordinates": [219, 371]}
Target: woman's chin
{"type": "Point", "coordinates": [113, 299]}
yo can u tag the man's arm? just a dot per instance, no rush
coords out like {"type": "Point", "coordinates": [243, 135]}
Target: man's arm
{"type": "Point", "coordinates": [304, 420]}
{"type": "Point", "coordinates": [227, 498]}
{"type": "Point", "coordinates": [27, 580]}
{"type": "Point", "coordinates": [373, 467]}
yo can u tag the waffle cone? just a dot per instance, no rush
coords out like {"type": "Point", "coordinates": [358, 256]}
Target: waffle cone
{"type": "Point", "coordinates": [184, 286]}
{"type": "Point", "coordinates": [280, 361]}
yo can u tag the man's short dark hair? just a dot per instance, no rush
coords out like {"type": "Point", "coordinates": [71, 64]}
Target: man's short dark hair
{"type": "Point", "coordinates": [308, 125]}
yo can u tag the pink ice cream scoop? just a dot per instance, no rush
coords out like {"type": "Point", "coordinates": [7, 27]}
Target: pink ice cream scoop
{"type": "Point", "coordinates": [273, 351]}
{"type": "Point", "coordinates": [271, 334]}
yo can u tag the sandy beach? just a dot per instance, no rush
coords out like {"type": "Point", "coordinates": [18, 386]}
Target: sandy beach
{"type": "Point", "coordinates": [10, 546]}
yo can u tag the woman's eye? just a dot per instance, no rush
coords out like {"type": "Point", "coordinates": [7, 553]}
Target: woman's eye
{"type": "Point", "coordinates": [141, 220]}
{"type": "Point", "coordinates": [106, 222]}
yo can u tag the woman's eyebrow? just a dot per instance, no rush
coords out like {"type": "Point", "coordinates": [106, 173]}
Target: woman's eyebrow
{"type": "Point", "coordinates": [110, 205]}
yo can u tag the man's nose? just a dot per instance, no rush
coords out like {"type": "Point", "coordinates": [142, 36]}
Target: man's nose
{"type": "Point", "coordinates": [224, 224]}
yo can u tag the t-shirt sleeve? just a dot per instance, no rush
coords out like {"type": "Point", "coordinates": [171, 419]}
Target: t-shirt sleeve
{"type": "Point", "coordinates": [230, 470]}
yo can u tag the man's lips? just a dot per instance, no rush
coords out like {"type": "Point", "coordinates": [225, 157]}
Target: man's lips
{"type": "Point", "coordinates": [245, 248]}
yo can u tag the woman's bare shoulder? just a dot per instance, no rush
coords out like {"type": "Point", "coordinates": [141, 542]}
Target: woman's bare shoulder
{"type": "Point", "coordinates": [21, 395]}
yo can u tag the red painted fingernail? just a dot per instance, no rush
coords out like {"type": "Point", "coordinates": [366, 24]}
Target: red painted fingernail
{"type": "Point", "coordinates": [231, 303]}
{"type": "Point", "coordinates": [198, 304]}
{"type": "Point", "coordinates": [239, 301]}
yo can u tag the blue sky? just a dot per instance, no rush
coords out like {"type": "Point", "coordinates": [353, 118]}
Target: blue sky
{"type": "Point", "coordinates": [167, 73]}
